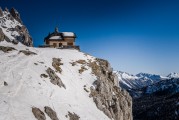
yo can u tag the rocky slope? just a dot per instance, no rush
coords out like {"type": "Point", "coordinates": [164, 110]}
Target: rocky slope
{"type": "Point", "coordinates": [55, 84]}
{"type": "Point", "coordinates": [12, 29]}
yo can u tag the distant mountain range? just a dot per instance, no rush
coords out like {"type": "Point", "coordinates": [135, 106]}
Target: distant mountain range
{"type": "Point", "coordinates": [130, 81]}
{"type": "Point", "coordinates": [155, 97]}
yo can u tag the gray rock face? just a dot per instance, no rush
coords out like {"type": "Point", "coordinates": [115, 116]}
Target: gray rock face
{"type": "Point", "coordinates": [6, 49]}
{"type": "Point", "coordinates": [18, 33]}
{"type": "Point", "coordinates": [1, 12]}
{"type": "Point", "coordinates": [27, 53]}
{"type": "Point", "coordinates": [73, 116]}
{"type": "Point", "coordinates": [54, 79]}
{"type": "Point", "coordinates": [56, 62]}
{"type": "Point", "coordinates": [2, 36]}
{"type": "Point", "coordinates": [106, 93]}
{"type": "Point", "coordinates": [39, 115]}
{"type": "Point", "coordinates": [51, 113]}
{"type": "Point", "coordinates": [15, 14]}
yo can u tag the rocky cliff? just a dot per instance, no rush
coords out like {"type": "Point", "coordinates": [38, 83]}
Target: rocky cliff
{"type": "Point", "coordinates": [107, 94]}
{"type": "Point", "coordinates": [12, 29]}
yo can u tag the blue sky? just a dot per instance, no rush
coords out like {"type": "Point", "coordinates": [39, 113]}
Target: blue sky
{"type": "Point", "coordinates": [134, 35]}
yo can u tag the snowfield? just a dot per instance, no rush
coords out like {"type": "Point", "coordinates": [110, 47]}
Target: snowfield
{"type": "Point", "coordinates": [22, 87]}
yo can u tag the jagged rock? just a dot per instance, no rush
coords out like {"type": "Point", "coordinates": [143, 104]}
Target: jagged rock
{"type": "Point", "coordinates": [51, 113]}
{"type": "Point", "coordinates": [6, 9]}
{"type": "Point", "coordinates": [107, 95]}
{"type": "Point", "coordinates": [38, 114]}
{"type": "Point", "coordinates": [1, 12]}
{"type": "Point", "coordinates": [17, 31]}
{"type": "Point", "coordinates": [15, 14]}
{"type": "Point", "coordinates": [73, 116]}
{"type": "Point", "coordinates": [27, 52]}
{"type": "Point", "coordinates": [56, 62]}
{"type": "Point", "coordinates": [54, 79]}
{"type": "Point", "coordinates": [6, 49]}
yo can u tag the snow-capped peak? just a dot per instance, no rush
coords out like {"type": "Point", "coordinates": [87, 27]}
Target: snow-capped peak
{"type": "Point", "coordinates": [149, 76]}
{"type": "Point", "coordinates": [139, 80]}
{"type": "Point", "coordinates": [173, 75]}
{"type": "Point", "coordinates": [124, 75]}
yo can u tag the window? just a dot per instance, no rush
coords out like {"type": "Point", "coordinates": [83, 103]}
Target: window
{"type": "Point", "coordinates": [54, 44]}
{"type": "Point", "coordinates": [70, 44]}
{"type": "Point", "coordinates": [60, 44]}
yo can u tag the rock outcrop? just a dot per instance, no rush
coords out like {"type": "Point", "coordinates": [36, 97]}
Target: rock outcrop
{"type": "Point", "coordinates": [51, 113]}
{"type": "Point", "coordinates": [12, 28]}
{"type": "Point", "coordinates": [54, 79]}
{"type": "Point", "coordinates": [106, 93]}
{"type": "Point", "coordinates": [56, 62]}
{"type": "Point", "coordinates": [6, 49]}
{"type": "Point", "coordinates": [39, 115]}
{"type": "Point", "coordinates": [27, 52]}
{"type": "Point", "coordinates": [73, 116]}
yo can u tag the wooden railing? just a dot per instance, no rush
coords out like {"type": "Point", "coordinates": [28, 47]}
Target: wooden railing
{"type": "Point", "coordinates": [69, 47]}
{"type": "Point", "coordinates": [62, 47]}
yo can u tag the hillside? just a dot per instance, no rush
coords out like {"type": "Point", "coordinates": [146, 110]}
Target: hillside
{"type": "Point", "coordinates": [38, 82]}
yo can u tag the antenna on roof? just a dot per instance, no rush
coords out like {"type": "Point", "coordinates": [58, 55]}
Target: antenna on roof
{"type": "Point", "coordinates": [56, 29]}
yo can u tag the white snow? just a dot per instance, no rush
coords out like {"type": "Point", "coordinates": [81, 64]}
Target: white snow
{"type": "Point", "coordinates": [56, 37]}
{"type": "Point", "coordinates": [68, 34]}
{"type": "Point", "coordinates": [26, 89]}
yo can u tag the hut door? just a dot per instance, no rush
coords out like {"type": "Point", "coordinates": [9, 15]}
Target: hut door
{"type": "Point", "coordinates": [60, 44]}
{"type": "Point", "coordinates": [54, 44]}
